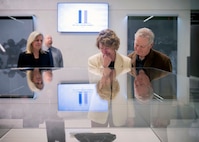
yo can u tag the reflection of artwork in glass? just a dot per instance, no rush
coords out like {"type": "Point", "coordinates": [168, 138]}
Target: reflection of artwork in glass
{"type": "Point", "coordinates": [165, 30]}
{"type": "Point", "coordinates": [13, 35]}
{"type": "Point", "coordinates": [12, 51]}
{"type": "Point", "coordinates": [13, 84]}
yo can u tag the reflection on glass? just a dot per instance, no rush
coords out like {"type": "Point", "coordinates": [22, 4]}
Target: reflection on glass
{"type": "Point", "coordinates": [108, 86]}
{"type": "Point", "coordinates": [47, 76]}
{"type": "Point", "coordinates": [34, 79]}
{"type": "Point", "coordinates": [143, 88]}
{"type": "Point", "coordinates": [14, 84]}
{"type": "Point", "coordinates": [120, 110]}
{"type": "Point", "coordinates": [13, 44]}
{"type": "Point", "coordinates": [76, 96]}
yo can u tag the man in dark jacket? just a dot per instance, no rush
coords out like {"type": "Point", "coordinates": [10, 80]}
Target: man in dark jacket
{"type": "Point", "coordinates": [143, 54]}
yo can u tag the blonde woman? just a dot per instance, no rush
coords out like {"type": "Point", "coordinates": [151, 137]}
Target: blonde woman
{"type": "Point", "coordinates": [34, 56]}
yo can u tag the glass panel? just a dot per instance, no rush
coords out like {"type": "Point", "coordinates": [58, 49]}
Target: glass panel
{"type": "Point", "coordinates": [114, 110]}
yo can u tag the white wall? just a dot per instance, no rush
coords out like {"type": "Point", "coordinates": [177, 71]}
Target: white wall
{"type": "Point", "coordinates": [76, 48]}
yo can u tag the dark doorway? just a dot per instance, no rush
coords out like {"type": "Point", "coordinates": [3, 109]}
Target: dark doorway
{"type": "Point", "coordinates": [194, 65]}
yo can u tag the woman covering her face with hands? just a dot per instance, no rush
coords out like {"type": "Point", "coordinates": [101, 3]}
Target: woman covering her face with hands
{"type": "Point", "coordinates": [108, 44]}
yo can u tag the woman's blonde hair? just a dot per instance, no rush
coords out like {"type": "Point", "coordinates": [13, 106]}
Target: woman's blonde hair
{"type": "Point", "coordinates": [30, 40]}
{"type": "Point", "coordinates": [108, 38]}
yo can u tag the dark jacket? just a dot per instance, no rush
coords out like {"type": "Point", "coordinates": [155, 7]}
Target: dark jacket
{"type": "Point", "coordinates": [154, 59]}
{"type": "Point", "coordinates": [28, 60]}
